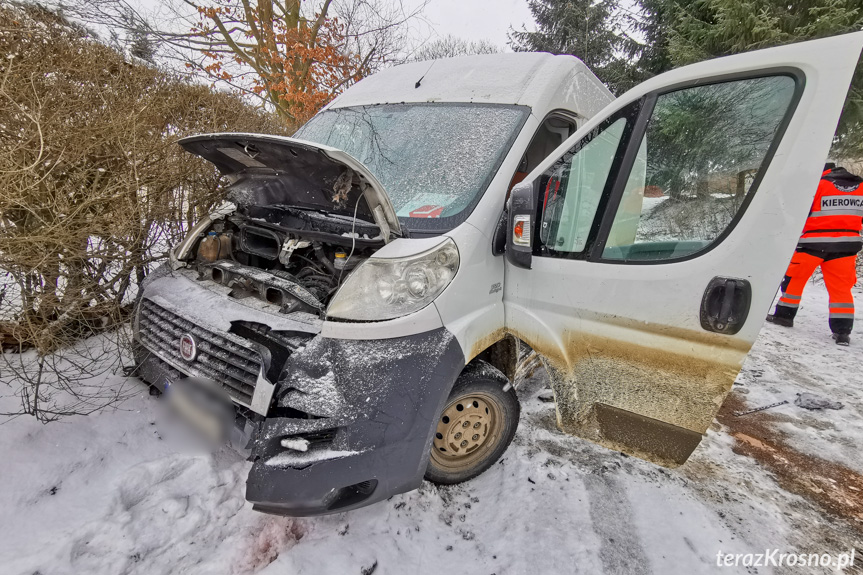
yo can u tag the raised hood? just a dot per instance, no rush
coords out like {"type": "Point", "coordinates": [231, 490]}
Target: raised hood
{"type": "Point", "coordinates": [274, 170]}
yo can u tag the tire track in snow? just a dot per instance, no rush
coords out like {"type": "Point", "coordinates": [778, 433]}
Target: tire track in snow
{"type": "Point", "coordinates": [611, 513]}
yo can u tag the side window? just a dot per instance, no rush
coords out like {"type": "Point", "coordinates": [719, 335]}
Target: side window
{"type": "Point", "coordinates": [573, 189]}
{"type": "Point", "coordinates": [696, 166]}
{"type": "Point", "coordinates": [553, 131]}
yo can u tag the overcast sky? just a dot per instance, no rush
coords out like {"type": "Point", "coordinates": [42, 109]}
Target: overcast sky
{"type": "Point", "coordinates": [468, 19]}
{"type": "Point", "coordinates": [478, 19]}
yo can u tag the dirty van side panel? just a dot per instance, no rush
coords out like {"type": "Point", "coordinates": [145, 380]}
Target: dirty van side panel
{"type": "Point", "coordinates": [650, 402]}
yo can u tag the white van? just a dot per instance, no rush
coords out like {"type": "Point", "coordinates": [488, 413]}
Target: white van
{"type": "Point", "coordinates": [361, 297]}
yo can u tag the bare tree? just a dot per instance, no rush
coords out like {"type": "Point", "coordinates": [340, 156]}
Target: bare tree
{"type": "Point", "coordinates": [289, 55]}
{"type": "Point", "coordinates": [451, 46]}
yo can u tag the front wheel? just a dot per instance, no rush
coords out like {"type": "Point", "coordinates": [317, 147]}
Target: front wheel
{"type": "Point", "coordinates": [474, 429]}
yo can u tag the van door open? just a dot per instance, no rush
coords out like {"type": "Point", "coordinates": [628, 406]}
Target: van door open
{"type": "Point", "coordinates": [641, 263]}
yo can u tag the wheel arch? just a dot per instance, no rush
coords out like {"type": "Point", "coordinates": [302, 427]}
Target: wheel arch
{"type": "Point", "coordinates": [502, 355]}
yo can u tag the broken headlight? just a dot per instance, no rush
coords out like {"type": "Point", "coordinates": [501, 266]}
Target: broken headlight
{"type": "Point", "coordinates": [387, 288]}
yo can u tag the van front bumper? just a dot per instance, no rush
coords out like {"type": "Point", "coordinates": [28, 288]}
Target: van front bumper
{"type": "Point", "coordinates": [363, 410]}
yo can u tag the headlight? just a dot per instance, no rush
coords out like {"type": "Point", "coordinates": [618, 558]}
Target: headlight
{"type": "Point", "coordinates": [388, 288]}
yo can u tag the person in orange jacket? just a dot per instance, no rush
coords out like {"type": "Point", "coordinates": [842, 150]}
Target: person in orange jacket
{"type": "Point", "coordinates": [831, 239]}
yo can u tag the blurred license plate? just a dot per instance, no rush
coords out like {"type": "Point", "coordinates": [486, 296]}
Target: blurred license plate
{"type": "Point", "coordinates": [203, 407]}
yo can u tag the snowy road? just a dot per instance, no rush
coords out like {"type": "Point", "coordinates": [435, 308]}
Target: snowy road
{"type": "Point", "coordinates": [126, 492]}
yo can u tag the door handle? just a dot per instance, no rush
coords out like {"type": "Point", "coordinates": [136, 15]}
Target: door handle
{"type": "Point", "coordinates": [725, 309]}
{"type": "Point", "coordinates": [725, 305]}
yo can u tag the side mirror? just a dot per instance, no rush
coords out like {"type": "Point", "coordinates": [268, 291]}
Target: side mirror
{"type": "Point", "coordinates": [521, 225]}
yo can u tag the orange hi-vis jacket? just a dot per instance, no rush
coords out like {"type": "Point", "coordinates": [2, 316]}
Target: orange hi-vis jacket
{"type": "Point", "coordinates": [837, 214]}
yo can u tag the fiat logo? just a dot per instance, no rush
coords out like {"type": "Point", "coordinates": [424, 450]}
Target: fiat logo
{"type": "Point", "coordinates": [188, 347]}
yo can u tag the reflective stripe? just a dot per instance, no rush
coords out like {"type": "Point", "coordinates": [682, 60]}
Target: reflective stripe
{"type": "Point", "coordinates": [833, 231]}
{"type": "Point", "coordinates": [849, 314]}
{"type": "Point", "coordinates": [792, 297]}
{"type": "Point", "coordinates": [822, 213]}
{"type": "Point", "coordinates": [830, 239]}
{"type": "Point", "coordinates": [786, 304]}
{"type": "Point", "coordinates": [846, 305]}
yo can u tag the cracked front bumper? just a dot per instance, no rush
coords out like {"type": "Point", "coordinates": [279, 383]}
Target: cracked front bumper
{"type": "Point", "coordinates": [383, 397]}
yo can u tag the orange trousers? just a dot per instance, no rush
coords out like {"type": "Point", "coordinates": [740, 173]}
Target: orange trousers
{"type": "Point", "coordinates": [840, 275]}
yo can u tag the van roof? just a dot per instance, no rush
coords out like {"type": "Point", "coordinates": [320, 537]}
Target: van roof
{"type": "Point", "coordinates": [524, 78]}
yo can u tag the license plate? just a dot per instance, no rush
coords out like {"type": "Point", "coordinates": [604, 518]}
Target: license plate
{"type": "Point", "coordinates": [204, 408]}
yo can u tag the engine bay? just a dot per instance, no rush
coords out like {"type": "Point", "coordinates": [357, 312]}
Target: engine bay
{"type": "Point", "coordinates": [292, 258]}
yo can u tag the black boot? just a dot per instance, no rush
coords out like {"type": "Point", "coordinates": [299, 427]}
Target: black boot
{"type": "Point", "coordinates": [779, 320]}
{"type": "Point", "coordinates": [842, 338]}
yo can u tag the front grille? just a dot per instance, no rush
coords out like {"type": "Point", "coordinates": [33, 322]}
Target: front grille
{"type": "Point", "coordinates": [221, 357]}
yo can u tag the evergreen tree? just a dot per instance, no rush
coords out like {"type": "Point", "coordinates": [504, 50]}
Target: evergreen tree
{"type": "Point", "coordinates": [652, 24]}
{"type": "Point", "coordinates": [702, 29]}
{"type": "Point", "coordinates": [624, 48]}
{"type": "Point", "coordinates": [591, 31]}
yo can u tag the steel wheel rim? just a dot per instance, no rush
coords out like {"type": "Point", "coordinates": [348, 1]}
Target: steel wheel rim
{"type": "Point", "coordinates": [468, 429]}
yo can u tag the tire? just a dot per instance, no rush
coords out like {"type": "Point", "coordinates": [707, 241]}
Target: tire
{"type": "Point", "coordinates": [490, 413]}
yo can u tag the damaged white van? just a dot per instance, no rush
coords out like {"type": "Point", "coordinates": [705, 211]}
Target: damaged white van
{"type": "Point", "coordinates": [360, 297]}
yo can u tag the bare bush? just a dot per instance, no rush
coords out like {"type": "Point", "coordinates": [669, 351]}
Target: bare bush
{"type": "Point", "coordinates": [93, 190]}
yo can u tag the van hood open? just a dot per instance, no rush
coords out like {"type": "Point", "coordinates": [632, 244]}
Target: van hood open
{"type": "Point", "coordinates": [269, 170]}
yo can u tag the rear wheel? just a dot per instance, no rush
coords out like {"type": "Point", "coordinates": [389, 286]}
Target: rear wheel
{"type": "Point", "coordinates": [475, 427]}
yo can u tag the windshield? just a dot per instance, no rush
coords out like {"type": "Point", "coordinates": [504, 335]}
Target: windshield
{"type": "Point", "coordinates": [434, 160]}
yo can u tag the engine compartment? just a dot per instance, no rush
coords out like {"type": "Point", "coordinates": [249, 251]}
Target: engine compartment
{"type": "Point", "coordinates": [292, 258]}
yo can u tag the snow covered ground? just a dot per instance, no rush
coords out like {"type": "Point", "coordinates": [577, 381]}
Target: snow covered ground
{"type": "Point", "coordinates": [128, 491]}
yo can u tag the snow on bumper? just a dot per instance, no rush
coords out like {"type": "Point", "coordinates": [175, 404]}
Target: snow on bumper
{"type": "Point", "coordinates": [365, 410]}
